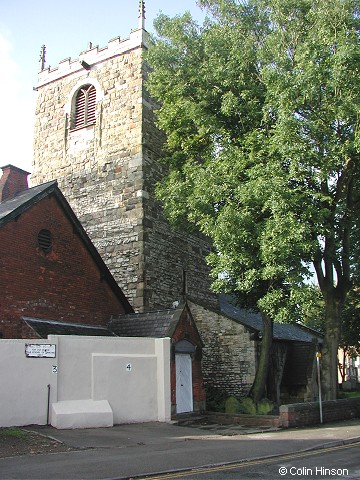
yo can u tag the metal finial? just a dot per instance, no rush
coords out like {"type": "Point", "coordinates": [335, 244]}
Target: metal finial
{"type": "Point", "coordinates": [142, 14]}
{"type": "Point", "coordinates": [42, 58]}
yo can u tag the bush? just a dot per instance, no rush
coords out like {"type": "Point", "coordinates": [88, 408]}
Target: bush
{"type": "Point", "coordinates": [217, 402]}
{"type": "Point", "coordinates": [232, 405]}
{"type": "Point", "coordinates": [215, 399]}
{"type": "Point", "coordinates": [247, 406]}
{"type": "Point", "coordinates": [264, 407]}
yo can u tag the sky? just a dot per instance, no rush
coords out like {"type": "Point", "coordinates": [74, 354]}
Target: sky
{"type": "Point", "coordinates": [65, 27]}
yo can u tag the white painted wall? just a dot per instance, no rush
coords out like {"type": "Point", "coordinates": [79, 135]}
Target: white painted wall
{"type": "Point", "coordinates": [93, 376]}
{"type": "Point", "coordinates": [24, 381]}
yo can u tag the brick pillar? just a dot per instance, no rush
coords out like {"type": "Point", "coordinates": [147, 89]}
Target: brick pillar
{"type": "Point", "coordinates": [13, 181]}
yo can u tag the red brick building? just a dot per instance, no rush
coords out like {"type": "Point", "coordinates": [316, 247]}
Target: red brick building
{"type": "Point", "coordinates": [53, 281]}
{"type": "Point", "coordinates": [49, 268]}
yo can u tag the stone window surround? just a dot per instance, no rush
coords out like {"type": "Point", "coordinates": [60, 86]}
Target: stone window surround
{"type": "Point", "coordinates": [84, 108]}
{"type": "Point", "coordinates": [69, 107]}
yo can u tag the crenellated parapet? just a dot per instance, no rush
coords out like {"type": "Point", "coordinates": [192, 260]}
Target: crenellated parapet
{"type": "Point", "coordinates": [90, 58]}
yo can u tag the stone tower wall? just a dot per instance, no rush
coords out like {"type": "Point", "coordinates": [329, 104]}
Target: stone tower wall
{"type": "Point", "coordinates": [108, 171]}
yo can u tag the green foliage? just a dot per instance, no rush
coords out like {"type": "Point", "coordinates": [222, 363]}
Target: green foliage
{"type": "Point", "coordinates": [311, 313]}
{"type": "Point", "coordinates": [13, 433]}
{"type": "Point", "coordinates": [264, 407]}
{"type": "Point", "coordinates": [351, 394]}
{"type": "Point", "coordinates": [232, 405]}
{"type": "Point", "coordinates": [260, 106]}
{"type": "Point", "coordinates": [215, 399]}
{"type": "Point", "coordinates": [311, 307]}
{"type": "Point", "coordinates": [248, 406]}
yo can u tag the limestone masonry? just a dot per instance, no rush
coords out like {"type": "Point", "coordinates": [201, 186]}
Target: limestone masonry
{"type": "Point", "coordinates": [108, 171]}
{"type": "Point", "coordinates": [229, 356]}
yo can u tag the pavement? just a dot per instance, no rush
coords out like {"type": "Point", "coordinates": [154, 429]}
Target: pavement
{"type": "Point", "coordinates": [137, 450]}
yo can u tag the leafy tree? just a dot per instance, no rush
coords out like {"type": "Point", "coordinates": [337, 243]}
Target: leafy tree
{"type": "Point", "coordinates": [313, 90]}
{"type": "Point", "coordinates": [311, 308]}
{"type": "Point", "coordinates": [213, 181]}
{"type": "Point", "coordinates": [260, 106]}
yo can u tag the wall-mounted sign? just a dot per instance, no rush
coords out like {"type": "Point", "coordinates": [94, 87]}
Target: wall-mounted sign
{"type": "Point", "coordinates": [40, 350]}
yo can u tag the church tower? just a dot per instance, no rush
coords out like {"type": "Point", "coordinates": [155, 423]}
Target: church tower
{"type": "Point", "coordinates": [95, 134]}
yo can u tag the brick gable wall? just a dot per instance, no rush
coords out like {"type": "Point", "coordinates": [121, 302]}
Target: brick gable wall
{"type": "Point", "coordinates": [64, 284]}
{"type": "Point", "coordinates": [186, 329]}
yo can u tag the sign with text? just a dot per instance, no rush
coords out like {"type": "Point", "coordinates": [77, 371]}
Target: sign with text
{"type": "Point", "coordinates": [40, 350]}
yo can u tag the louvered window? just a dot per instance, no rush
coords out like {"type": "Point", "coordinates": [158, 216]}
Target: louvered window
{"type": "Point", "coordinates": [85, 104]}
{"type": "Point", "coordinates": [45, 240]}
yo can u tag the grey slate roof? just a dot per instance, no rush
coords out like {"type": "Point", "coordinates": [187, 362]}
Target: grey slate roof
{"type": "Point", "coordinates": [10, 209]}
{"type": "Point", "coordinates": [157, 324]}
{"type": "Point", "coordinates": [282, 331]}
{"type": "Point", "coordinates": [51, 327]}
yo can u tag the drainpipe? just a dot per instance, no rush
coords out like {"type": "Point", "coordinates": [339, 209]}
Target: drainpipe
{"type": "Point", "coordinates": [48, 405]}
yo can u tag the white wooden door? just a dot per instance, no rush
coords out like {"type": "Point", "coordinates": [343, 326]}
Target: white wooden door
{"type": "Point", "coordinates": [184, 393]}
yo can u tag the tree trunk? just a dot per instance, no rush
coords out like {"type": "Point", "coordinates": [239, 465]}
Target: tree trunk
{"type": "Point", "coordinates": [258, 388]}
{"type": "Point", "coordinates": [329, 358]}
{"type": "Point", "coordinates": [276, 370]}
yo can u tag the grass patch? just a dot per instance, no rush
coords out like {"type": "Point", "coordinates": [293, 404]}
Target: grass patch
{"type": "Point", "coordinates": [352, 394]}
{"type": "Point", "coordinates": [13, 433]}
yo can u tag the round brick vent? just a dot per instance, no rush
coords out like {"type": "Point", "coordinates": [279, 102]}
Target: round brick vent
{"type": "Point", "coordinates": [44, 240]}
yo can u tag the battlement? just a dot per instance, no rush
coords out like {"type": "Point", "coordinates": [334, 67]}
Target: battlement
{"type": "Point", "coordinates": [93, 56]}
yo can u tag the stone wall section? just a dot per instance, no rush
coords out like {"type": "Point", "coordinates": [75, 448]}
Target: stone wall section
{"type": "Point", "coordinates": [229, 355]}
{"type": "Point", "coordinates": [107, 172]}
{"type": "Point", "coordinates": [169, 253]}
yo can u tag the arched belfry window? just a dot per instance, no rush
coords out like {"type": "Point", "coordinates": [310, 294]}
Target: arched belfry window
{"type": "Point", "coordinates": [85, 104]}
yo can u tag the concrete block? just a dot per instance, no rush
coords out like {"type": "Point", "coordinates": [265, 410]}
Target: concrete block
{"type": "Point", "coordinates": [81, 414]}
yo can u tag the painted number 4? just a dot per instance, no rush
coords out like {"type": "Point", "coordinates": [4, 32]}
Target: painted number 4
{"type": "Point", "coordinates": [128, 367]}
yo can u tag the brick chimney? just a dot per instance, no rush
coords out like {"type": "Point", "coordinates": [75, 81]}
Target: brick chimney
{"type": "Point", "coordinates": [13, 181]}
